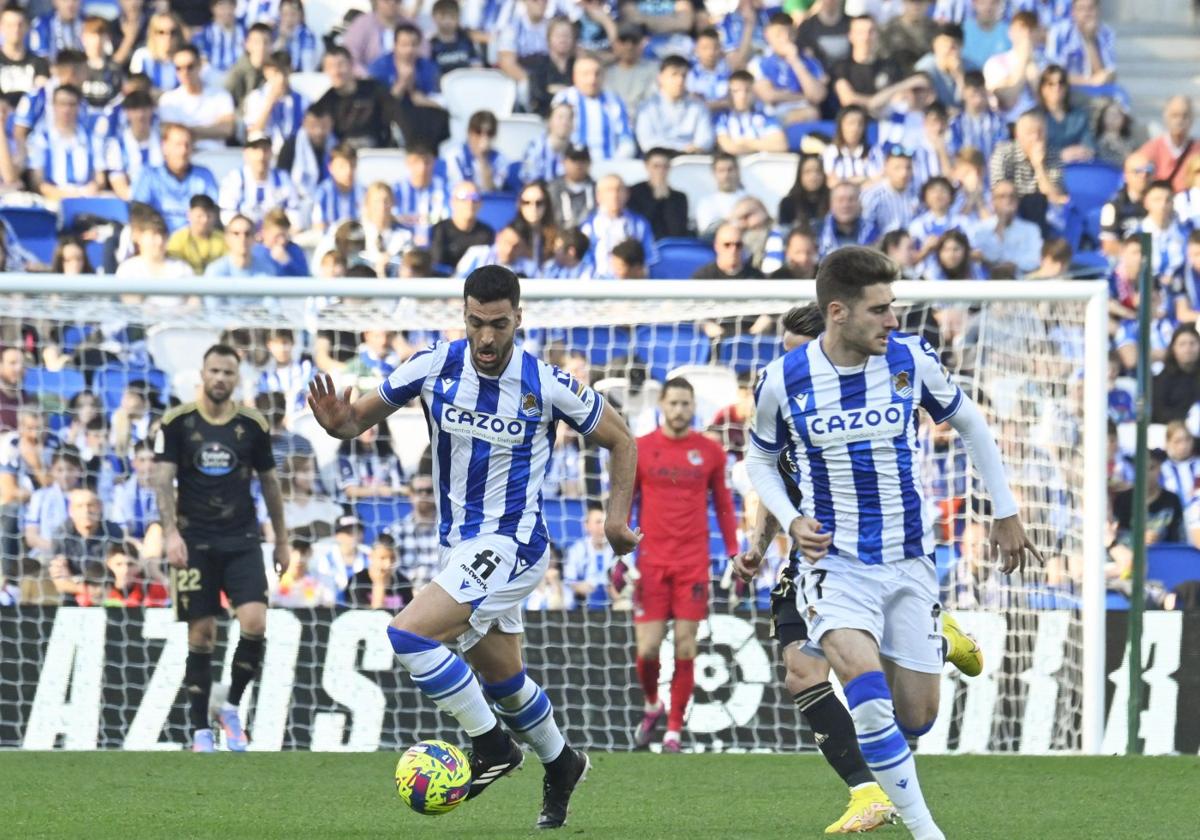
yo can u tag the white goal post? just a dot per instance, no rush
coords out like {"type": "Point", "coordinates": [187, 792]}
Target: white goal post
{"type": "Point", "coordinates": [435, 304]}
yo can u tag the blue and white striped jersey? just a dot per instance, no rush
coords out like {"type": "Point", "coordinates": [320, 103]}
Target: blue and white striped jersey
{"type": "Point", "coordinates": [1181, 478]}
{"type": "Point", "coordinates": [541, 162]}
{"type": "Point", "coordinates": [606, 232]}
{"type": "Point", "coordinates": [49, 34]}
{"type": "Point", "coordinates": [552, 269]}
{"type": "Point", "coordinates": [250, 12]}
{"type": "Point", "coordinates": [855, 438]}
{"type": "Point", "coordinates": [241, 193]}
{"type": "Point", "coordinates": [305, 50]}
{"type": "Point", "coordinates": [161, 71]}
{"type": "Point", "coordinates": [709, 85]}
{"type": "Point", "coordinates": [983, 131]}
{"type": "Point", "coordinates": [285, 118]}
{"type": "Point", "coordinates": [601, 123]}
{"type": "Point", "coordinates": [330, 205]}
{"type": "Point", "coordinates": [732, 27]}
{"type": "Point", "coordinates": [491, 437]}
{"type": "Point", "coordinates": [62, 160]}
{"type": "Point", "coordinates": [747, 125]}
{"type": "Point", "coordinates": [221, 47]}
{"type": "Point", "coordinates": [126, 154]}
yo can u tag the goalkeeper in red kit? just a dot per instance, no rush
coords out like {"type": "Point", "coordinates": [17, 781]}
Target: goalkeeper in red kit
{"type": "Point", "coordinates": [677, 470]}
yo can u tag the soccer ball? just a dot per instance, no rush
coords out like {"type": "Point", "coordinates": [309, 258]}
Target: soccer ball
{"type": "Point", "coordinates": [433, 777]}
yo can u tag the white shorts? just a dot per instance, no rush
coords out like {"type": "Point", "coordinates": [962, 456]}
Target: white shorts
{"type": "Point", "coordinates": [487, 573]}
{"type": "Point", "coordinates": [897, 603]}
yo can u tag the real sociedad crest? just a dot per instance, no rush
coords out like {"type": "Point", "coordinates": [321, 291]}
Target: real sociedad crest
{"type": "Point", "coordinates": [901, 385]}
{"type": "Point", "coordinates": [529, 405]}
{"type": "Point", "coordinates": [695, 458]}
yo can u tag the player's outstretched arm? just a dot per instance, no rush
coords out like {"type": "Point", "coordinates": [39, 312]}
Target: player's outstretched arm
{"type": "Point", "coordinates": [1008, 535]}
{"type": "Point", "coordinates": [339, 416]}
{"type": "Point", "coordinates": [612, 433]}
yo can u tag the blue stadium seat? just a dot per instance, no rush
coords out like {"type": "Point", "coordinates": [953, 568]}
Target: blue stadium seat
{"type": "Point", "coordinates": [1172, 564]}
{"type": "Point", "coordinates": [796, 132]}
{"type": "Point", "coordinates": [1091, 184]}
{"type": "Point", "coordinates": [109, 382]}
{"type": "Point", "coordinates": [667, 346]}
{"type": "Point", "coordinates": [679, 257]}
{"type": "Point", "coordinates": [64, 383]}
{"type": "Point", "coordinates": [497, 208]}
{"type": "Point", "coordinates": [1073, 227]}
{"type": "Point", "coordinates": [1049, 598]}
{"type": "Point", "coordinates": [378, 514]}
{"type": "Point", "coordinates": [601, 344]}
{"type": "Point", "coordinates": [73, 335]}
{"type": "Point", "coordinates": [749, 353]}
{"type": "Point", "coordinates": [1115, 601]}
{"type": "Point", "coordinates": [105, 206]}
{"type": "Point", "coordinates": [1089, 265]}
{"type": "Point", "coordinates": [564, 520]}
{"type": "Point", "coordinates": [1091, 226]}
{"type": "Point", "coordinates": [946, 558]}
{"type": "Point", "coordinates": [36, 229]}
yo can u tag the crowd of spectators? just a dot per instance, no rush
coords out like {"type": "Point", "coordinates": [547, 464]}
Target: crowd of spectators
{"type": "Point", "coordinates": [938, 131]}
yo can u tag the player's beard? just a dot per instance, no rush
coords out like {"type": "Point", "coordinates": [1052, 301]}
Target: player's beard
{"type": "Point", "coordinates": [215, 398]}
{"type": "Point", "coordinates": [497, 363]}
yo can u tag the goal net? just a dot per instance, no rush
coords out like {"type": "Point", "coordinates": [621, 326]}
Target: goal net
{"type": "Point", "coordinates": [90, 657]}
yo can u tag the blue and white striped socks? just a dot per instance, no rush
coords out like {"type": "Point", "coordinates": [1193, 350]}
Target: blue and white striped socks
{"type": "Point", "coordinates": [525, 708]}
{"type": "Point", "coordinates": [445, 679]}
{"type": "Point", "coordinates": [887, 753]}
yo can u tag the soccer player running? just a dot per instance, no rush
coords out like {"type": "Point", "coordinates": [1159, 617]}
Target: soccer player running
{"type": "Point", "coordinates": [807, 674]}
{"type": "Point", "coordinates": [492, 411]}
{"type": "Point", "coordinates": [213, 447]}
{"type": "Point", "coordinates": [869, 595]}
{"type": "Point", "coordinates": [677, 469]}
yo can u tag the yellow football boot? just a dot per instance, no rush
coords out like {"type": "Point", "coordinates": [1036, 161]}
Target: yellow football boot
{"type": "Point", "coordinates": [869, 809]}
{"type": "Point", "coordinates": [963, 652]}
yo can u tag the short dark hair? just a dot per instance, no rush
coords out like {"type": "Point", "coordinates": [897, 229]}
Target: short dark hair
{"type": "Point", "coordinates": [741, 76]}
{"type": "Point", "coordinates": [405, 26]}
{"type": "Point", "coordinates": [69, 90]}
{"type": "Point", "coordinates": [264, 28]}
{"type": "Point", "coordinates": [336, 50]}
{"type": "Point", "coordinates": [1057, 249]}
{"type": "Point", "coordinates": [805, 320]}
{"type": "Point", "coordinates": [1194, 237]}
{"type": "Point", "coordinates": [678, 382]}
{"type": "Point", "coordinates": [949, 30]}
{"type": "Point", "coordinates": [1160, 184]}
{"type": "Point", "coordinates": [719, 157]}
{"type": "Point", "coordinates": [221, 350]}
{"type": "Point", "coordinates": [576, 240]}
{"type": "Point", "coordinates": [780, 19]}
{"type": "Point", "coordinates": [490, 283]}
{"type": "Point", "coordinates": [67, 455]}
{"type": "Point", "coordinates": [137, 100]}
{"type": "Point", "coordinates": [272, 405]}
{"type": "Point", "coordinates": [482, 121]}
{"type": "Point", "coordinates": [936, 181]}
{"type": "Point", "coordinates": [709, 32]}
{"type": "Point", "coordinates": [445, 7]}
{"type": "Point", "coordinates": [69, 57]}
{"type": "Point", "coordinates": [847, 271]}
{"type": "Point", "coordinates": [630, 252]}
{"type": "Point", "coordinates": [674, 62]}
{"type": "Point", "coordinates": [279, 60]}
{"type": "Point", "coordinates": [202, 200]}
{"type": "Point", "coordinates": [974, 78]}
{"type": "Point", "coordinates": [192, 49]}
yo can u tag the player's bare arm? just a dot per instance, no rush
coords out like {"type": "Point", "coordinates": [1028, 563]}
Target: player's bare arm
{"type": "Point", "coordinates": [766, 526]}
{"type": "Point", "coordinates": [612, 433]}
{"type": "Point", "coordinates": [807, 533]}
{"type": "Point", "coordinates": [1008, 537]}
{"type": "Point", "coordinates": [342, 418]}
{"type": "Point", "coordinates": [273, 497]}
{"type": "Point", "coordinates": [164, 491]}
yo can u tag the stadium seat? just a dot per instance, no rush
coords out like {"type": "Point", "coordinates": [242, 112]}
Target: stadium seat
{"type": "Point", "coordinates": [95, 254]}
{"type": "Point", "coordinates": [472, 89]}
{"type": "Point", "coordinates": [322, 15]}
{"type": "Point", "coordinates": [1115, 601]}
{"type": "Point", "coordinates": [601, 344]}
{"type": "Point", "coordinates": [631, 170]}
{"type": "Point", "coordinates": [564, 520]}
{"type": "Point", "coordinates": [379, 514]}
{"type": "Point", "coordinates": [109, 382]}
{"type": "Point", "coordinates": [104, 206]}
{"type": "Point", "coordinates": [1091, 184]}
{"type": "Point", "coordinates": [769, 177]}
{"type": "Point", "coordinates": [497, 208]}
{"type": "Point", "coordinates": [176, 349]}
{"type": "Point", "coordinates": [515, 132]}
{"type": "Point", "coordinates": [796, 132]}
{"type": "Point", "coordinates": [219, 161]}
{"type": "Point", "coordinates": [1172, 564]}
{"type": "Point", "coordinates": [667, 346]}
{"type": "Point", "coordinates": [1089, 265]}
{"type": "Point", "coordinates": [715, 387]}
{"type": "Point", "coordinates": [107, 9]}
{"type": "Point", "coordinates": [311, 85]}
{"type": "Point", "coordinates": [692, 175]}
{"type": "Point", "coordinates": [387, 165]}
{"type": "Point", "coordinates": [679, 257]}
{"type": "Point", "coordinates": [409, 435]}
{"type": "Point", "coordinates": [1073, 226]}
{"type": "Point", "coordinates": [62, 384]}
{"type": "Point", "coordinates": [35, 228]}
{"type": "Point", "coordinates": [749, 353]}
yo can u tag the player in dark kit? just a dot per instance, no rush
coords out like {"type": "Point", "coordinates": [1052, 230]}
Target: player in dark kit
{"type": "Point", "coordinates": [214, 447]}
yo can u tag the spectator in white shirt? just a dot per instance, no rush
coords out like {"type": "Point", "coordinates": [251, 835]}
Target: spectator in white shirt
{"type": "Point", "coordinates": [47, 509]}
{"type": "Point", "coordinates": [149, 234]}
{"type": "Point", "coordinates": [1012, 76]}
{"type": "Point", "coordinates": [715, 207]}
{"type": "Point", "coordinates": [208, 111]}
{"type": "Point", "coordinates": [1006, 238]}
{"type": "Point", "coordinates": [670, 119]}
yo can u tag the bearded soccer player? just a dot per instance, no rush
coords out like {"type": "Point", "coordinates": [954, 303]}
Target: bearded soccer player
{"type": "Point", "coordinates": [492, 411]}
{"type": "Point", "coordinates": [214, 447]}
{"type": "Point", "coordinates": [677, 470]}
{"type": "Point", "coordinates": [807, 675]}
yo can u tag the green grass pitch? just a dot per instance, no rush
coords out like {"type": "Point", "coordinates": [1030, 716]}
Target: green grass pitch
{"type": "Point", "coordinates": [627, 797]}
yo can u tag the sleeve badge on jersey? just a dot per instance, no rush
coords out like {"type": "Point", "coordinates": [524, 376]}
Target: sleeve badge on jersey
{"type": "Point", "coordinates": [902, 386]}
{"type": "Point", "coordinates": [570, 382]}
{"type": "Point", "coordinates": [529, 405]}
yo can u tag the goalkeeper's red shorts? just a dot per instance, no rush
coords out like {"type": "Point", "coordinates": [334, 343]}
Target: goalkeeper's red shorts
{"type": "Point", "coordinates": [666, 592]}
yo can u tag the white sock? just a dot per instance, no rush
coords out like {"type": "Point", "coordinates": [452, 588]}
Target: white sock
{"type": "Point", "coordinates": [651, 708]}
{"type": "Point", "coordinates": [445, 679]}
{"type": "Point", "coordinates": [887, 753]}
{"type": "Point", "coordinates": [525, 708]}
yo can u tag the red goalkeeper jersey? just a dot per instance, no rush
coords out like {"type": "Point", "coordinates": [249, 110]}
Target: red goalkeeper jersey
{"type": "Point", "coordinates": [674, 477]}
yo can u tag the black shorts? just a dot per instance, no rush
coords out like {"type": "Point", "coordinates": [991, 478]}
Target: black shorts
{"type": "Point", "coordinates": [236, 571]}
{"type": "Point", "coordinates": [787, 625]}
